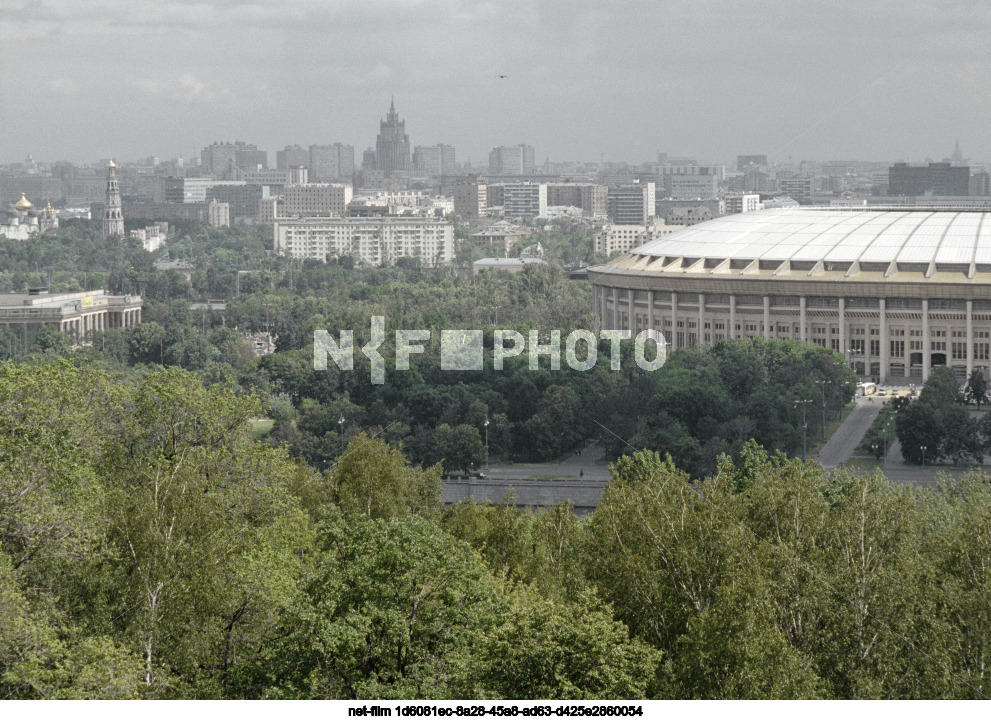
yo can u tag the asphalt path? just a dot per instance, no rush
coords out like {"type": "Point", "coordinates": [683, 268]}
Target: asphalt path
{"type": "Point", "coordinates": [843, 443]}
{"type": "Point", "coordinates": [577, 479]}
{"type": "Point", "coordinates": [575, 466]}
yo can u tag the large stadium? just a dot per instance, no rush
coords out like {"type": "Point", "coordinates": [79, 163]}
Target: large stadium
{"type": "Point", "coordinates": [897, 291]}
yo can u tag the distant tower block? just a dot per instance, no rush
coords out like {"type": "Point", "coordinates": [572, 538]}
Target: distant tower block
{"type": "Point", "coordinates": [113, 217]}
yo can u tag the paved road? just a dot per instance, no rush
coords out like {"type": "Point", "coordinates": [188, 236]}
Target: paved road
{"type": "Point", "coordinates": [581, 467]}
{"type": "Point", "coordinates": [580, 481]}
{"type": "Point", "coordinates": [843, 443]}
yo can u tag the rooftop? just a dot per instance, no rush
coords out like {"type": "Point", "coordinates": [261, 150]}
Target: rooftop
{"type": "Point", "coordinates": [937, 244]}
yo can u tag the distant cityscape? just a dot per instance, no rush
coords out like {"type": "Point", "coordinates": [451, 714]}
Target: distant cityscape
{"type": "Point", "coordinates": [398, 200]}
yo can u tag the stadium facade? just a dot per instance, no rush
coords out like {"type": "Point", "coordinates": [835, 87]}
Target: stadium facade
{"type": "Point", "coordinates": [897, 291]}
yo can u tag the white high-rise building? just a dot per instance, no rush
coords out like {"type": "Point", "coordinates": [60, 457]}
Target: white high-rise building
{"type": "Point", "coordinates": [525, 200]}
{"type": "Point", "coordinates": [374, 241]}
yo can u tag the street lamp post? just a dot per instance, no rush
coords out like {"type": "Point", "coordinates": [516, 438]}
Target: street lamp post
{"type": "Point", "coordinates": [486, 424]}
{"type": "Point", "coordinates": [340, 425]}
{"type": "Point", "coordinates": [923, 449]}
{"type": "Point", "coordinates": [874, 449]}
{"type": "Point", "coordinates": [822, 384]}
{"type": "Point", "coordinates": [805, 425]}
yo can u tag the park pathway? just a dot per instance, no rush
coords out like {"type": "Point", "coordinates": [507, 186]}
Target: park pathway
{"type": "Point", "coordinates": [843, 443]}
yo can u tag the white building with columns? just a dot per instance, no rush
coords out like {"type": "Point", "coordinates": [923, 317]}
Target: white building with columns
{"type": "Point", "coordinates": [898, 291]}
{"type": "Point", "coordinates": [77, 314]}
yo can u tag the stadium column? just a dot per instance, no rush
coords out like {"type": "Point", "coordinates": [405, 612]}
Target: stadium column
{"type": "Point", "coordinates": [673, 343]}
{"type": "Point", "coordinates": [701, 318]}
{"type": "Point", "coordinates": [732, 318]}
{"type": "Point", "coordinates": [801, 319]}
{"type": "Point", "coordinates": [633, 312]}
{"type": "Point", "coordinates": [883, 330]}
{"type": "Point", "coordinates": [650, 309]}
{"type": "Point", "coordinates": [842, 317]}
{"type": "Point", "coordinates": [767, 317]}
{"type": "Point", "coordinates": [926, 344]}
{"type": "Point", "coordinates": [970, 338]}
{"type": "Point", "coordinates": [614, 325]}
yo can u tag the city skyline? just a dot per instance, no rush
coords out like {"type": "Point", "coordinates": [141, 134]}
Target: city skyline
{"type": "Point", "coordinates": [887, 81]}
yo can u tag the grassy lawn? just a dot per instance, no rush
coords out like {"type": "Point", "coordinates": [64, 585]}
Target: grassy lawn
{"type": "Point", "coordinates": [261, 427]}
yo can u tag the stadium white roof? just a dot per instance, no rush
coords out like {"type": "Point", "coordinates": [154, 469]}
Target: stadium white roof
{"type": "Point", "coordinates": [825, 240]}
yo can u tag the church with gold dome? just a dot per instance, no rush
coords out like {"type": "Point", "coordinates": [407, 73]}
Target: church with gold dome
{"type": "Point", "coordinates": [22, 220]}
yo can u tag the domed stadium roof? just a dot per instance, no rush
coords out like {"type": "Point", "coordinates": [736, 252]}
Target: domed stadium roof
{"type": "Point", "coordinates": [824, 241]}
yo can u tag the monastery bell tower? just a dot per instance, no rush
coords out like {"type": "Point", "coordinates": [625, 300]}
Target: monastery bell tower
{"type": "Point", "coordinates": [113, 217]}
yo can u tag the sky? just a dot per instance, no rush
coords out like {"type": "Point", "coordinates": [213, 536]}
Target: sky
{"type": "Point", "coordinates": [618, 80]}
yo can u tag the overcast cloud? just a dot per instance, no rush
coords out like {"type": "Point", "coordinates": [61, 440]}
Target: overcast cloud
{"type": "Point", "coordinates": [85, 79]}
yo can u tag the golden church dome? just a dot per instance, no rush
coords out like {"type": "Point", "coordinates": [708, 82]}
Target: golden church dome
{"type": "Point", "coordinates": [23, 204]}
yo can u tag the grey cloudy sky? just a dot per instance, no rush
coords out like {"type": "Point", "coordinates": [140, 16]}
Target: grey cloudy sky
{"type": "Point", "coordinates": [886, 80]}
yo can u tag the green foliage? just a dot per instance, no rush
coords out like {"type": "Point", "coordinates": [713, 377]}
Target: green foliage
{"type": "Point", "coordinates": [710, 400]}
{"type": "Point", "coordinates": [547, 649]}
{"type": "Point", "coordinates": [977, 389]}
{"type": "Point", "coordinates": [374, 480]}
{"type": "Point", "coordinates": [461, 447]}
{"type": "Point", "coordinates": [937, 427]}
{"type": "Point", "coordinates": [390, 610]}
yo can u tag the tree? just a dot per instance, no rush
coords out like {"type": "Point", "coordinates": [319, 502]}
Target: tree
{"type": "Point", "coordinates": [390, 610]}
{"type": "Point", "coordinates": [460, 447]}
{"type": "Point", "coordinates": [206, 530]}
{"type": "Point", "coordinates": [977, 388]}
{"type": "Point", "coordinates": [374, 480]}
{"type": "Point", "coordinates": [917, 427]}
{"type": "Point", "coordinates": [559, 650]}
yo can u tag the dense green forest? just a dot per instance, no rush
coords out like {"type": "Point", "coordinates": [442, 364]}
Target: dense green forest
{"type": "Point", "coordinates": [701, 404]}
{"type": "Point", "coordinates": [151, 548]}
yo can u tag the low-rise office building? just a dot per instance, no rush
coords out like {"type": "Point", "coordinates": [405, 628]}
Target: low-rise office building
{"type": "Point", "coordinates": [75, 314]}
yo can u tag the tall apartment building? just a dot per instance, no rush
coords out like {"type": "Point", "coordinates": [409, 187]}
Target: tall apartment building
{"type": "Point", "coordinates": [798, 188]}
{"type": "Point", "coordinates": [433, 160]}
{"type": "Point", "coordinates": [374, 241]}
{"type": "Point", "coordinates": [592, 199]}
{"type": "Point", "coordinates": [242, 199]}
{"type": "Point", "coordinates": [932, 179]}
{"type": "Point", "coordinates": [694, 185]}
{"type": "Point", "coordinates": [511, 160]}
{"type": "Point", "coordinates": [331, 162]}
{"type": "Point", "coordinates": [221, 158]}
{"type": "Point", "coordinates": [292, 157]}
{"type": "Point", "coordinates": [470, 197]}
{"type": "Point", "coordinates": [623, 238]}
{"type": "Point", "coordinates": [632, 204]}
{"type": "Point", "coordinates": [192, 190]}
{"type": "Point", "coordinates": [524, 200]}
{"type": "Point", "coordinates": [317, 199]}
{"type": "Point", "coordinates": [980, 184]}
{"type": "Point", "coordinates": [742, 202]}
{"type": "Point", "coordinates": [266, 177]}
{"type": "Point", "coordinates": [219, 214]}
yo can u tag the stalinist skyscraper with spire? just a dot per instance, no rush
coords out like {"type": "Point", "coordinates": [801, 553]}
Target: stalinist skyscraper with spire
{"type": "Point", "coordinates": [392, 152]}
{"type": "Point", "coordinates": [113, 216]}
